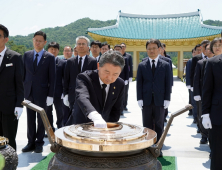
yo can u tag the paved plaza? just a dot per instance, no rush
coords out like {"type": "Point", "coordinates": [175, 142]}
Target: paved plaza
{"type": "Point", "coordinates": [182, 140]}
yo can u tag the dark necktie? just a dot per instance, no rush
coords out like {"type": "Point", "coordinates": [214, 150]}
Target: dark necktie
{"type": "Point", "coordinates": [80, 64]}
{"type": "Point", "coordinates": [103, 94]}
{"type": "Point", "coordinates": [35, 63]}
{"type": "Point", "coordinates": [205, 57]}
{"type": "Point", "coordinates": [153, 67]}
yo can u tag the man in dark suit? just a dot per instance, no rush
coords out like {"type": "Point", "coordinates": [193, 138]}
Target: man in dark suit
{"type": "Point", "coordinates": [99, 93]}
{"type": "Point", "coordinates": [74, 66]}
{"type": "Point", "coordinates": [95, 48]}
{"type": "Point", "coordinates": [39, 85]}
{"type": "Point", "coordinates": [199, 55]}
{"type": "Point", "coordinates": [197, 92]}
{"type": "Point", "coordinates": [130, 60]}
{"type": "Point", "coordinates": [124, 74]}
{"type": "Point", "coordinates": [154, 87]}
{"type": "Point", "coordinates": [53, 48]}
{"type": "Point", "coordinates": [212, 106]}
{"type": "Point", "coordinates": [11, 88]}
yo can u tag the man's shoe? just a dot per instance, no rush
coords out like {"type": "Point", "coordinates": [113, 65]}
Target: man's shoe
{"type": "Point", "coordinates": [198, 130]}
{"type": "Point", "coordinates": [203, 141]}
{"type": "Point", "coordinates": [38, 149]}
{"type": "Point", "coordinates": [195, 121]}
{"type": "Point", "coordinates": [161, 154]}
{"type": "Point", "coordinates": [28, 148]}
{"type": "Point", "coordinates": [165, 120]}
{"type": "Point", "coordinates": [46, 136]}
{"type": "Point", "coordinates": [125, 109]}
{"type": "Point", "coordinates": [190, 113]}
{"type": "Point", "coordinates": [121, 113]}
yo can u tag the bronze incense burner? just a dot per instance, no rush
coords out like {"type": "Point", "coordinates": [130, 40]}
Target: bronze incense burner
{"type": "Point", "coordinates": [120, 146]}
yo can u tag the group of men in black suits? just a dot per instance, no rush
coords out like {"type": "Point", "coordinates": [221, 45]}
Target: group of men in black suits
{"type": "Point", "coordinates": [203, 79]}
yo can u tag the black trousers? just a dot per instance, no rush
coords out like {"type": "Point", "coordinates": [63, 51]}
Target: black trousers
{"type": "Point", "coordinates": [126, 95]}
{"type": "Point", "coordinates": [190, 99]}
{"type": "Point", "coordinates": [58, 103]}
{"type": "Point", "coordinates": [216, 147]}
{"type": "Point", "coordinates": [154, 116]}
{"type": "Point", "coordinates": [35, 137]}
{"type": "Point", "coordinates": [8, 127]}
{"type": "Point", "coordinates": [66, 113]}
{"type": "Point", "coordinates": [203, 131]}
{"type": "Point", "coordinates": [165, 113]}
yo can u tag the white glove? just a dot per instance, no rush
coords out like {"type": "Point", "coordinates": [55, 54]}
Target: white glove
{"type": "Point", "coordinates": [62, 96]}
{"type": "Point", "coordinates": [18, 112]}
{"type": "Point", "coordinates": [66, 101]}
{"type": "Point", "coordinates": [140, 103]}
{"type": "Point", "coordinates": [126, 82]}
{"type": "Point", "coordinates": [188, 87]}
{"type": "Point", "coordinates": [166, 104]}
{"type": "Point", "coordinates": [197, 98]}
{"type": "Point", "coordinates": [206, 121]}
{"type": "Point", "coordinates": [130, 79]}
{"type": "Point", "coordinates": [191, 88]}
{"type": "Point", "coordinates": [49, 101]}
{"type": "Point", "coordinates": [97, 119]}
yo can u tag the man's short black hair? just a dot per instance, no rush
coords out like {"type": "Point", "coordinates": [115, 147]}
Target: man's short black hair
{"type": "Point", "coordinates": [205, 45]}
{"type": "Point", "coordinates": [193, 50]}
{"type": "Point", "coordinates": [123, 43]}
{"type": "Point", "coordinates": [96, 43]}
{"type": "Point", "coordinates": [40, 33]}
{"type": "Point", "coordinates": [164, 45]}
{"type": "Point", "coordinates": [204, 42]}
{"type": "Point", "coordinates": [104, 44]}
{"type": "Point", "coordinates": [198, 45]}
{"type": "Point", "coordinates": [153, 41]}
{"type": "Point", "coordinates": [117, 45]}
{"type": "Point", "coordinates": [218, 39]}
{"type": "Point", "coordinates": [54, 45]}
{"type": "Point", "coordinates": [5, 31]}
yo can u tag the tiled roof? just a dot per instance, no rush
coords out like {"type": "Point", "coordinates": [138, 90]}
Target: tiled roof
{"type": "Point", "coordinates": [175, 26]}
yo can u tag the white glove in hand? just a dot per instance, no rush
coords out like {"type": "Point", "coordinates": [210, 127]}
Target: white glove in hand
{"type": "Point", "coordinates": [66, 101]}
{"type": "Point", "coordinates": [49, 101]}
{"type": "Point", "coordinates": [166, 104]}
{"type": "Point", "coordinates": [62, 96]}
{"type": "Point", "coordinates": [191, 88]}
{"type": "Point", "coordinates": [206, 121]}
{"type": "Point", "coordinates": [130, 79]}
{"type": "Point", "coordinates": [18, 112]}
{"type": "Point", "coordinates": [197, 98]}
{"type": "Point", "coordinates": [140, 103]}
{"type": "Point", "coordinates": [126, 82]}
{"type": "Point", "coordinates": [97, 119]}
{"type": "Point", "coordinates": [188, 87]}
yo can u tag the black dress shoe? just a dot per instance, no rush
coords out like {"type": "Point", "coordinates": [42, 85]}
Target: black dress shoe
{"type": "Point", "coordinates": [38, 149]}
{"type": "Point", "coordinates": [203, 141]}
{"type": "Point", "coordinates": [190, 113]}
{"type": "Point", "coordinates": [161, 154]}
{"type": "Point", "coordinates": [165, 120]}
{"type": "Point", "coordinates": [198, 130]}
{"type": "Point", "coordinates": [121, 113]}
{"type": "Point", "coordinates": [28, 148]}
{"type": "Point", "coordinates": [125, 109]}
{"type": "Point", "coordinates": [195, 121]}
{"type": "Point", "coordinates": [46, 136]}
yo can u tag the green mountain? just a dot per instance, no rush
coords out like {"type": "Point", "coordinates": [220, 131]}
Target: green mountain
{"type": "Point", "coordinates": [67, 35]}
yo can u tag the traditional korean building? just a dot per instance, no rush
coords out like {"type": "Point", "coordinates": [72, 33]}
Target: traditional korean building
{"type": "Point", "coordinates": [180, 33]}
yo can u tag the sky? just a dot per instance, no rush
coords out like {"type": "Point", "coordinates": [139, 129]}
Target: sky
{"type": "Point", "coordinates": [23, 17]}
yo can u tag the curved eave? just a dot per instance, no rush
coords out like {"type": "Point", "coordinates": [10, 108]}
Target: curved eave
{"type": "Point", "coordinates": [127, 39]}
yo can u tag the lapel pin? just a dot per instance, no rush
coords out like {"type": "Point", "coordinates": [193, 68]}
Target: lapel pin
{"type": "Point", "coordinates": [113, 92]}
{"type": "Point", "coordinates": [114, 87]}
{"type": "Point", "coordinates": [44, 57]}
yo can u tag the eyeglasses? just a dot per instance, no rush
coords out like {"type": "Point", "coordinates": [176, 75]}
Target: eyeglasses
{"type": "Point", "coordinates": [37, 41]}
{"type": "Point", "coordinates": [219, 46]}
{"type": "Point", "coordinates": [149, 49]}
{"type": "Point", "coordinates": [79, 44]}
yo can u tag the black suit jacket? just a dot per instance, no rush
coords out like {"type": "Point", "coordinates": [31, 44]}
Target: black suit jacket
{"type": "Point", "coordinates": [130, 60]}
{"type": "Point", "coordinates": [60, 72]}
{"type": "Point", "coordinates": [212, 90]}
{"type": "Point", "coordinates": [42, 81]}
{"type": "Point", "coordinates": [158, 85]}
{"type": "Point", "coordinates": [125, 72]}
{"type": "Point", "coordinates": [11, 87]}
{"type": "Point", "coordinates": [193, 66]}
{"type": "Point", "coordinates": [71, 72]}
{"type": "Point", "coordinates": [89, 99]}
{"type": "Point", "coordinates": [197, 85]}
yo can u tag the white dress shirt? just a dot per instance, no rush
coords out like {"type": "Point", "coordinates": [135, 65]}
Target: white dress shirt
{"type": "Point", "coordinates": [97, 58]}
{"type": "Point", "coordinates": [83, 59]}
{"type": "Point", "coordinates": [156, 60]}
{"type": "Point", "coordinates": [107, 88]}
{"type": "Point", "coordinates": [2, 55]}
{"type": "Point", "coordinates": [203, 56]}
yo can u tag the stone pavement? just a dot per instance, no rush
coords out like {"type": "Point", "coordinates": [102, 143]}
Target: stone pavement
{"type": "Point", "coordinates": [182, 140]}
